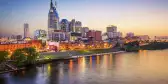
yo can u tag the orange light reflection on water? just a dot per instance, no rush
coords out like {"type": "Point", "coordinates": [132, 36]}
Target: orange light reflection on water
{"type": "Point", "coordinates": [71, 65]}
{"type": "Point", "coordinates": [97, 61]}
{"type": "Point", "coordinates": [81, 64]}
{"type": "Point", "coordinates": [90, 62]}
{"type": "Point", "coordinates": [111, 61]}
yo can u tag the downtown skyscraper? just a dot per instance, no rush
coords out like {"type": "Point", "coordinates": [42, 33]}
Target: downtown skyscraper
{"type": "Point", "coordinates": [64, 24]}
{"type": "Point", "coordinates": [26, 30]}
{"type": "Point", "coordinates": [53, 20]}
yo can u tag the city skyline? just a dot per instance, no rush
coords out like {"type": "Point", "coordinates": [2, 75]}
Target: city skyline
{"type": "Point", "coordinates": [138, 16]}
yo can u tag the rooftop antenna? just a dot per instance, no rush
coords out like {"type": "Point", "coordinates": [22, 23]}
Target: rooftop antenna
{"type": "Point", "coordinates": [51, 4]}
{"type": "Point", "coordinates": [56, 4]}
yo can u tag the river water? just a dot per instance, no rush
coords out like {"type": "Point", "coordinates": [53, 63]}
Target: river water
{"type": "Point", "coordinates": [143, 67]}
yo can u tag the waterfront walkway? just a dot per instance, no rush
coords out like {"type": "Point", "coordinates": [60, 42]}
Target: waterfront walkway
{"type": "Point", "coordinates": [74, 54]}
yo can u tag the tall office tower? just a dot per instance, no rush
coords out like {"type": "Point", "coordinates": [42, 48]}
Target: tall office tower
{"type": "Point", "coordinates": [72, 25]}
{"type": "Point", "coordinates": [64, 25]}
{"type": "Point", "coordinates": [112, 28]}
{"type": "Point", "coordinates": [78, 26]}
{"type": "Point", "coordinates": [53, 20]}
{"type": "Point", "coordinates": [112, 32]}
{"type": "Point", "coordinates": [84, 30]}
{"type": "Point", "coordinates": [40, 34]}
{"type": "Point", "coordinates": [26, 30]}
{"type": "Point", "coordinates": [94, 35]}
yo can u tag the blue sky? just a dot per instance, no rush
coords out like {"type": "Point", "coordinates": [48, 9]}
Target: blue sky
{"type": "Point", "coordinates": [139, 16]}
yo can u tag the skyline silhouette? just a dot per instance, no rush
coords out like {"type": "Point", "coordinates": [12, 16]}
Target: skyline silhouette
{"type": "Point", "coordinates": [143, 17]}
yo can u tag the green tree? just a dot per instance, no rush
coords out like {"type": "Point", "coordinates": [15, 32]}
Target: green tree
{"type": "Point", "coordinates": [19, 56]}
{"type": "Point", "coordinates": [3, 56]}
{"type": "Point", "coordinates": [25, 56]}
{"type": "Point", "coordinates": [132, 46]}
{"type": "Point", "coordinates": [31, 54]}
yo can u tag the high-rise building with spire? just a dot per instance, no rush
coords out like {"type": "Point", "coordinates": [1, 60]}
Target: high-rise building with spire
{"type": "Point", "coordinates": [53, 20]}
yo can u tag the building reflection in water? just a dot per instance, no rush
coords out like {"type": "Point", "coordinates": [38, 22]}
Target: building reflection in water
{"type": "Point", "coordinates": [90, 62]}
{"type": "Point", "coordinates": [145, 52]}
{"type": "Point", "coordinates": [61, 70]}
{"type": "Point", "coordinates": [83, 63]}
{"type": "Point", "coordinates": [49, 69]}
{"type": "Point", "coordinates": [142, 56]}
{"type": "Point", "coordinates": [104, 66]}
{"type": "Point", "coordinates": [97, 61]}
{"type": "Point", "coordinates": [111, 61]}
{"type": "Point", "coordinates": [54, 74]}
{"type": "Point", "coordinates": [70, 72]}
{"type": "Point", "coordinates": [104, 62]}
{"type": "Point", "coordinates": [71, 65]}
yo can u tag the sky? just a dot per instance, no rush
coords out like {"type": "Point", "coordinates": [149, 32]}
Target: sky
{"type": "Point", "coordinates": [143, 17]}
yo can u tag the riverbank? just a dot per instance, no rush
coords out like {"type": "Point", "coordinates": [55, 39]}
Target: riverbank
{"type": "Point", "coordinates": [56, 56]}
{"type": "Point", "coordinates": [69, 54]}
{"type": "Point", "coordinates": [134, 46]}
{"type": "Point", "coordinates": [155, 46]}
{"type": "Point", "coordinates": [7, 71]}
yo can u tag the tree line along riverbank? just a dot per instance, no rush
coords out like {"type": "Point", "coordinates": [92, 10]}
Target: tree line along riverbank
{"type": "Point", "coordinates": [134, 46]}
{"type": "Point", "coordinates": [24, 57]}
{"type": "Point", "coordinates": [18, 59]}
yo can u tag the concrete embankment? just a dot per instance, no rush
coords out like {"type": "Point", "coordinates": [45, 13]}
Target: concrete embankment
{"type": "Point", "coordinates": [97, 54]}
{"type": "Point", "coordinates": [74, 54]}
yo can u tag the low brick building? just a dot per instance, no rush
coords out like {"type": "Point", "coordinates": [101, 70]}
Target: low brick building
{"type": "Point", "coordinates": [20, 44]}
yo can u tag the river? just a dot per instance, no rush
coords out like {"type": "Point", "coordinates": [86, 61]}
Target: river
{"type": "Point", "coordinates": [143, 67]}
